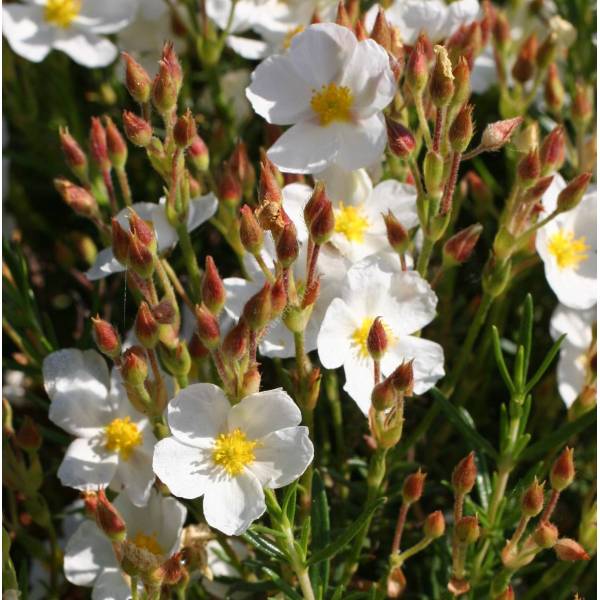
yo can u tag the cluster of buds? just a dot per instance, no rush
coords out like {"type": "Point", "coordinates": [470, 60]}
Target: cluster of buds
{"type": "Point", "coordinates": [136, 248]}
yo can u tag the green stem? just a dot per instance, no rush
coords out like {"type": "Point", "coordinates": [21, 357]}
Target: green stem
{"type": "Point", "coordinates": [191, 264]}
{"type": "Point", "coordinates": [134, 588]}
{"type": "Point", "coordinates": [423, 125]}
{"type": "Point", "coordinates": [425, 257]}
{"type": "Point", "coordinates": [413, 550]}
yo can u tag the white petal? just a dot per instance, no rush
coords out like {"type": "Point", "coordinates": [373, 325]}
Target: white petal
{"type": "Point", "coordinates": [232, 504]}
{"type": "Point", "coordinates": [137, 476]}
{"type": "Point", "coordinates": [197, 413]}
{"type": "Point", "coordinates": [87, 554]}
{"type": "Point", "coordinates": [570, 373]}
{"type": "Point", "coordinates": [107, 16]}
{"type": "Point", "coordinates": [105, 264]}
{"type": "Point", "coordinates": [184, 469]}
{"type": "Point", "coordinates": [87, 465]}
{"type": "Point", "coordinates": [261, 413]}
{"type": "Point", "coordinates": [360, 144]}
{"type": "Point", "coordinates": [282, 456]}
{"type": "Point", "coordinates": [461, 12]}
{"type": "Point", "coordinates": [333, 341]}
{"type": "Point", "coordinates": [77, 384]}
{"type": "Point", "coordinates": [25, 31]}
{"type": "Point", "coordinates": [577, 324]}
{"type": "Point", "coordinates": [201, 210]}
{"type": "Point", "coordinates": [400, 198]}
{"type": "Point", "coordinates": [111, 585]}
{"type": "Point", "coordinates": [359, 381]}
{"type": "Point", "coordinates": [414, 16]}
{"type": "Point", "coordinates": [484, 74]}
{"type": "Point", "coordinates": [86, 48]}
{"type": "Point", "coordinates": [349, 187]}
{"type": "Point", "coordinates": [279, 342]}
{"type": "Point", "coordinates": [295, 197]}
{"type": "Point", "coordinates": [248, 48]}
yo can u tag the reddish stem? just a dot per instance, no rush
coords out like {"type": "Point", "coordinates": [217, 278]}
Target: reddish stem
{"type": "Point", "coordinates": [551, 506]}
{"type": "Point", "coordinates": [437, 132]}
{"type": "Point", "coordinates": [400, 527]}
{"type": "Point", "coordinates": [446, 205]}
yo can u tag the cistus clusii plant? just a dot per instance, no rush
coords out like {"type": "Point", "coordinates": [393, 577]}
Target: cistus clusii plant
{"type": "Point", "coordinates": [299, 299]}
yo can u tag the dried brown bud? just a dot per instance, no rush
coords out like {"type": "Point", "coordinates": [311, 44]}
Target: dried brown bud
{"type": "Point", "coordinates": [381, 32]}
{"type": "Point", "coordinates": [287, 245]}
{"type": "Point", "coordinates": [464, 475]}
{"type": "Point", "coordinates": [441, 86]}
{"type": "Point", "coordinates": [322, 225]}
{"type": "Point", "coordinates": [397, 234]}
{"type": "Point", "coordinates": [529, 168]}
{"type": "Point", "coordinates": [497, 134]}
{"type": "Point", "coordinates": [269, 190]}
{"type": "Point", "coordinates": [562, 473]}
{"type": "Point", "coordinates": [532, 501]}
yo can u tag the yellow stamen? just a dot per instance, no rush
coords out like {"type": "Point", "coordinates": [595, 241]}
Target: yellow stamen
{"type": "Point", "coordinates": [233, 451]}
{"type": "Point", "coordinates": [568, 250]}
{"type": "Point", "coordinates": [148, 542]}
{"type": "Point", "coordinates": [61, 12]}
{"type": "Point", "coordinates": [360, 334]}
{"type": "Point", "coordinates": [122, 436]}
{"type": "Point", "coordinates": [291, 34]}
{"type": "Point", "coordinates": [351, 222]}
{"type": "Point", "coordinates": [332, 103]}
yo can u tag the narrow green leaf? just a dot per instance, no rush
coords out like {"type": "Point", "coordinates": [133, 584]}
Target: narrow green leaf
{"type": "Point", "coordinates": [305, 535]}
{"type": "Point", "coordinates": [545, 363]}
{"type": "Point", "coordinates": [281, 584]}
{"type": "Point", "coordinates": [500, 360]}
{"type": "Point", "coordinates": [321, 532]}
{"type": "Point", "coordinates": [288, 505]}
{"type": "Point", "coordinates": [347, 535]}
{"type": "Point", "coordinates": [471, 435]}
{"type": "Point", "coordinates": [525, 414]}
{"type": "Point", "coordinates": [519, 369]}
{"type": "Point", "coordinates": [265, 546]}
{"type": "Point", "coordinates": [339, 590]}
{"type": "Point", "coordinates": [521, 444]}
{"type": "Point", "coordinates": [526, 333]}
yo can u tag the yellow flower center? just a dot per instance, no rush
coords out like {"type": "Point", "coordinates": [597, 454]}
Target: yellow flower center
{"type": "Point", "coordinates": [233, 451]}
{"type": "Point", "coordinates": [568, 250]}
{"type": "Point", "coordinates": [332, 103]}
{"type": "Point", "coordinates": [351, 222]}
{"type": "Point", "coordinates": [148, 542]}
{"type": "Point", "coordinates": [122, 436]}
{"type": "Point", "coordinates": [61, 12]}
{"type": "Point", "coordinates": [361, 333]}
{"type": "Point", "coordinates": [291, 34]}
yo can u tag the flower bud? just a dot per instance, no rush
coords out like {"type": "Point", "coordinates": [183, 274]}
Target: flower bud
{"type": "Point", "coordinates": [441, 86]}
{"type": "Point", "coordinates": [434, 526]}
{"type": "Point", "coordinates": [137, 130]}
{"type": "Point", "coordinates": [545, 535]}
{"type": "Point", "coordinates": [197, 349]}
{"type": "Point", "coordinates": [257, 310]}
{"type": "Point", "coordinates": [412, 488]}
{"type": "Point", "coordinates": [287, 245]}
{"type": "Point", "coordinates": [229, 188]}
{"type": "Point", "coordinates": [208, 327]}
{"type": "Point", "coordinates": [121, 241]}
{"type": "Point", "coordinates": [146, 326]}
{"type": "Point", "coordinates": [143, 230]}
{"type": "Point", "coordinates": [316, 203]}
{"type": "Point", "coordinates": [460, 246]}
{"type": "Point", "coordinates": [134, 367]}
{"type": "Point", "coordinates": [251, 381]}
{"type": "Point", "coordinates": [532, 501]}
{"type": "Point", "coordinates": [571, 196]}
{"type": "Point", "coordinates": [117, 148]}
{"type": "Point", "coordinates": [28, 436]}
{"type": "Point", "coordinates": [563, 471]}
{"type": "Point", "coordinates": [137, 80]}
{"type": "Point", "coordinates": [524, 66]}
{"type": "Point", "coordinates": [106, 337]}
{"type": "Point", "coordinates": [164, 89]}
{"type": "Point", "coordinates": [501, 32]}
{"type": "Point", "coordinates": [213, 290]}
{"type": "Point", "coordinates": [99, 145]}
{"type": "Point", "coordinates": [384, 395]}
{"type": "Point", "coordinates": [417, 71]}
{"type": "Point", "coordinates": [177, 360]}
{"type": "Point", "coordinates": [251, 234]}
{"type": "Point", "coordinates": [109, 519]}
{"type": "Point", "coordinates": [397, 234]}
{"type": "Point", "coordinates": [360, 32]}
{"type": "Point", "coordinates": [74, 156]}
{"type": "Point", "coordinates": [433, 172]}
{"type": "Point", "coordinates": [461, 130]}
{"type": "Point", "coordinates": [467, 530]}
{"type": "Point", "coordinates": [529, 168]}
{"type": "Point", "coordinates": [464, 475]}
{"type": "Point", "coordinates": [495, 275]}
{"type": "Point", "coordinates": [554, 92]}
{"type": "Point", "coordinates": [403, 378]}
{"type": "Point", "coordinates": [77, 198]}
{"type": "Point", "coordinates": [235, 344]}
{"type": "Point", "coordinates": [582, 109]}
{"type": "Point", "coordinates": [395, 583]}
{"type": "Point", "coordinates": [400, 140]}
{"type": "Point", "coordinates": [171, 571]}
{"type": "Point", "coordinates": [242, 167]}
{"type": "Point", "coordinates": [377, 339]}
{"type": "Point", "coordinates": [322, 225]}
{"type": "Point", "coordinates": [141, 258]}
{"type": "Point", "coordinates": [381, 32]}
{"type": "Point", "coordinates": [278, 298]}
{"type": "Point", "coordinates": [342, 17]}
{"type": "Point", "coordinates": [184, 130]}
{"type": "Point", "coordinates": [569, 550]}
{"type": "Point", "coordinates": [497, 134]}
{"type": "Point", "coordinates": [547, 51]}
{"type": "Point", "coordinates": [552, 151]}
{"type": "Point", "coordinates": [462, 82]}
{"type": "Point", "coordinates": [198, 154]}
{"type": "Point", "coordinates": [268, 189]}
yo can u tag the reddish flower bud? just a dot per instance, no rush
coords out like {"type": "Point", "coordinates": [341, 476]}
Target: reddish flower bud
{"type": "Point", "coordinates": [229, 189]}
{"type": "Point", "coordinates": [569, 550]}
{"type": "Point", "coordinates": [208, 327]}
{"type": "Point", "coordinates": [165, 312]}
{"type": "Point", "coordinates": [213, 290]}
{"type": "Point", "coordinates": [571, 196]}
{"type": "Point", "coordinates": [177, 360]}
{"type": "Point", "coordinates": [278, 298]}
{"type": "Point", "coordinates": [563, 471]}
{"type": "Point", "coordinates": [478, 188]}
{"type": "Point", "coordinates": [143, 230]}
{"type": "Point", "coordinates": [268, 190]}
{"type": "Point", "coordinates": [141, 258]}
{"type": "Point", "coordinates": [412, 488]}
{"type": "Point", "coordinates": [164, 90]}
{"type": "Point", "coordinates": [121, 241]}
{"type": "Point", "coordinates": [582, 109]}
{"type": "Point", "coordinates": [377, 339]}
{"type": "Point", "coordinates": [287, 245]}
{"type": "Point", "coordinates": [545, 535]}
{"type": "Point", "coordinates": [461, 130]}
{"type": "Point", "coordinates": [77, 198]}
{"type": "Point", "coordinates": [198, 154]}
{"type": "Point", "coordinates": [106, 337]}
{"type": "Point", "coordinates": [251, 234]}
{"type": "Point", "coordinates": [197, 349]}
{"type": "Point", "coordinates": [146, 326]}
{"type": "Point", "coordinates": [74, 156]}
{"type": "Point", "coordinates": [137, 130]}
{"type": "Point", "coordinates": [169, 57]}
{"type": "Point", "coordinates": [257, 310]}
{"type": "Point", "coordinates": [554, 92]}
{"type": "Point", "coordinates": [109, 519]}
{"type": "Point", "coordinates": [342, 18]}
{"type": "Point", "coordinates": [532, 501]}
{"type": "Point", "coordinates": [28, 436]}
{"type": "Point", "coordinates": [397, 234]}
{"type": "Point", "coordinates": [524, 66]}
{"type": "Point", "coordinates": [417, 70]}
{"type": "Point", "coordinates": [134, 367]}
{"type": "Point", "coordinates": [434, 526]}
{"type": "Point", "coordinates": [137, 80]}
{"type": "Point", "coordinates": [242, 167]}
{"type": "Point", "coordinates": [184, 130]}
{"type": "Point", "coordinates": [467, 530]}
{"type": "Point", "coordinates": [538, 189]}
{"type": "Point", "coordinates": [384, 395]}
{"type": "Point", "coordinates": [323, 224]}
{"type": "Point", "coordinates": [403, 378]}
{"type": "Point", "coordinates": [547, 51]}
{"type": "Point", "coordinates": [317, 201]}
{"type": "Point", "coordinates": [171, 571]}
{"type": "Point", "coordinates": [117, 148]}
{"type": "Point", "coordinates": [400, 140]}
{"type": "Point", "coordinates": [460, 246]}
{"type": "Point", "coordinates": [235, 344]}
{"type": "Point", "coordinates": [501, 32]}
{"type": "Point", "coordinates": [251, 382]}
{"type": "Point", "coordinates": [552, 151]}
{"type": "Point", "coordinates": [497, 134]}
{"type": "Point", "coordinates": [99, 145]}
{"type": "Point", "coordinates": [464, 475]}
{"type": "Point", "coordinates": [381, 32]}
{"type": "Point", "coordinates": [529, 168]}
{"type": "Point", "coordinates": [462, 82]}
{"type": "Point", "coordinates": [360, 32]}
{"type": "Point", "coordinates": [441, 86]}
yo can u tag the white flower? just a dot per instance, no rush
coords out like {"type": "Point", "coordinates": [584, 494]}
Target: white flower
{"type": "Point", "coordinates": [90, 560]}
{"type": "Point", "coordinates": [405, 302]}
{"type": "Point", "coordinates": [114, 442]}
{"type": "Point", "coordinates": [433, 17]}
{"type": "Point", "coordinates": [74, 27]}
{"type": "Point", "coordinates": [200, 210]}
{"type": "Point", "coordinates": [229, 453]}
{"type": "Point", "coordinates": [484, 74]}
{"type": "Point", "coordinates": [574, 361]}
{"type": "Point", "coordinates": [567, 245]}
{"type": "Point", "coordinates": [331, 88]}
{"type": "Point", "coordinates": [220, 566]}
